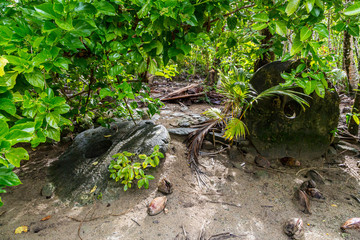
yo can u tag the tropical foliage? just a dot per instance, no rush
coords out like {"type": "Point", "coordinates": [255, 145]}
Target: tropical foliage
{"type": "Point", "coordinates": [66, 62]}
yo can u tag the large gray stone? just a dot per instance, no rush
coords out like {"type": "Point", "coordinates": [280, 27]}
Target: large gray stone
{"type": "Point", "coordinates": [280, 128]}
{"type": "Point", "coordinates": [85, 164]}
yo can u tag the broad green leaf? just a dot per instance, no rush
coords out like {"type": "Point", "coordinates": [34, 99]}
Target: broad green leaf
{"type": "Point", "coordinates": [353, 9]}
{"type": "Point", "coordinates": [16, 136]}
{"type": "Point", "coordinates": [292, 6]}
{"type": "Point", "coordinates": [319, 3]}
{"type": "Point", "coordinates": [65, 24]}
{"type": "Point", "coordinates": [36, 78]}
{"type": "Point", "coordinates": [53, 119]}
{"type": "Point", "coordinates": [82, 28]}
{"type": "Point", "coordinates": [3, 63]}
{"type": "Point", "coordinates": [259, 26]}
{"type": "Point", "coordinates": [38, 138]}
{"type": "Point", "coordinates": [339, 27]}
{"type": "Point", "coordinates": [356, 119]}
{"type": "Point", "coordinates": [231, 22]}
{"type": "Point", "coordinates": [104, 92]}
{"type": "Point", "coordinates": [61, 109]}
{"type": "Point", "coordinates": [86, 8]}
{"type": "Point", "coordinates": [144, 10]}
{"type": "Point", "coordinates": [296, 47]}
{"type": "Point", "coordinates": [300, 68]}
{"type": "Point", "coordinates": [27, 127]}
{"type": "Point", "coordinates": [322, 30]}
{"type": "Point", "coordinates": [8, 106]}
{"type": "Point", "coordinates": [8, 177]}
{"type": "Point", "coordinates": [320, 89]}
{"type": "Point", "coordinates": [116, 70]}
{"type": "Point", "coordinates": [305, 33]}
{"type": "Point", "coordinates": [354, 30]}
{"type": "Point", "coordinates": [160, 47]}
{"type": "Point", "coordinates": [52, 133]}
{"type": "Point", "coordinates": [9, 80]}
{"type": "Point", "coordinates": [261, 17]}
{"type": "Point", "coordinates": [46, 10]}
{"type": "Point", "coordinates": [114, 56]}
{"type": "Point", "coordinates": [309, 5]}
{"type": "Point", "coordinates": [105, 7]}
{"type": "Point", "coordinates": [62, 62]}
{"type": "Point", "coordinates": [310, 86]}
{"type": "Point", "coordinates": [17, 60]}
{"type": "Point", "coordinates": [15, 155]}
{"type": "Point", "coordinates": [4, 128]}
{"type": "Point", "coordinates": [281, 28]}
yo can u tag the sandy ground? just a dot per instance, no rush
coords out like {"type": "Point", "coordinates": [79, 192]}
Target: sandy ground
{"type": "Point", "coordinates": [240, 198]}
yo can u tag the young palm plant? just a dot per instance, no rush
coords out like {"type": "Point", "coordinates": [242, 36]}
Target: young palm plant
{"type": "Point", "coordinates": [240, 97]}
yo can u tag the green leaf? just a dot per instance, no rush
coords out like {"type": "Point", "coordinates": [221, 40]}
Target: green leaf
{"type": "Point", "coordinates": [116, 70]}
{"type": "Point", "coordinates": [104, 92]}
{"type": "Point", "coordinates": [261, 17]}
{"type": "Point", "coordinates": [305, 33]}
{"type": "Point", "coordinates": [85, 8]}
{"type": "Point", "coordinates": [46, 10]}
{"type": "Point", "coordinates": [65, 24]}
{"type": "Point", "coordinates": [320, 89]}
{"type": "Point", "coordinates": [62, 62]}
{"type": "Point", "coordinates": [259, 26]}
{"type": "Point", "coordinates": [296, 47]}
{"type": "Point", "coordinates": [52, 133]}
{"type": "Point", "coordinates": [53, 119]}
{"type": "Point", "coordinates": [144, 10]}
{"type": "Point", "coordinates": [36, 78]}
{"type": "Point", "coordinates": [300, 68]}
{"type": "Point", "coordinates": [309, 5]}
{"type": "Point", "coordinates": [356, 119]}
{"type": "Point", "coordinates": [140, 183]}
{"type": "Point", "coordinates": [339, 27]}
{"type": "Point", "coordinates": [16, 136]}
{"type": "Point", "coordinates": [322, 30]}
{"type": "Point", "coordinates": [7, 105]}
{"type": "Point", "coordinates": [231, 22]}
{"type": "Point", "coordinates": [82, 28]}
{"type": "Point", "coordinates": [354, 30]}
{"type": "Point", "coordinates": [8, 80]}
{"type": "Point", "coordinates": [105, 7]}
{"type": "Point", "coordinates": [4, 128]}
{"type": "Point", "coordinates": [27, 127]}
{"type": "Point", "coordinates": [292, 6]}
{"type": "Point", "coordinates": [310, 86]}
{"type": "Point", "coordinates": [7, 177]}
{"type": "Point", "coordinates": [281, 28]}
{"type": "Point", "coordinates": [353, 9]}
{"type": "Point", "coordinates": [15, 155]}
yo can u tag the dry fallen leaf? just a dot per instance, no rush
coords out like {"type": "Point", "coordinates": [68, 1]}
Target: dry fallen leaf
{"type": "Point", "coordinates": [21, 229]}
{"type": "Point", "coordinates": [93, 189]}
{"type": "Point", "coordinates": [290, 161]}
{"type": "Point", "coordinates": [352, 223]}
{"type": "Point", "coordinates": [46, 218]}
{"type": "Point", "coordinates": [95, 163]}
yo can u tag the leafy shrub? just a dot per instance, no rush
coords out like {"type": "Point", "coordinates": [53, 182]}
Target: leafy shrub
{"type": "Point", "coordinates": [125, 170]}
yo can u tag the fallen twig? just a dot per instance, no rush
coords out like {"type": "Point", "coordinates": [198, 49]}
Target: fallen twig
{"type": "Point", "coordinates": [183, 96]}
{"type": "Point", "coordinates": [225, 236]}
{"type": "Point", "coordinates": [225, 203]}
{"type": "Point", "coordinates": [179, 91]}
{"type": "Point", "coordinates": [135, 222]}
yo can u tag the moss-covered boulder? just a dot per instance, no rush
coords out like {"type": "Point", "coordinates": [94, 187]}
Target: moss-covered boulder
{"type": "Point", "coordinates": [279, 127]}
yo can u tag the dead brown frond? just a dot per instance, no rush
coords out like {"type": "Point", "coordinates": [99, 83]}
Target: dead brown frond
{"type": "Point", "coordinates": [194, 142]}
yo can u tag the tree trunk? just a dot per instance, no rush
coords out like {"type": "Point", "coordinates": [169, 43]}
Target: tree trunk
{"type": "Point", "coordinates": [346, 57]}
{"type": "Point", "coordinates": [266, 44]}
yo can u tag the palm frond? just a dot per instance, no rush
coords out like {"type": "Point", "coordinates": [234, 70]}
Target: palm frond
{"type": "Point", "coordinates": [214, 113]}
{"type": "Point", "coordinates": [280, 90]}
{"type": "Point", "coordinates": [235, 128]}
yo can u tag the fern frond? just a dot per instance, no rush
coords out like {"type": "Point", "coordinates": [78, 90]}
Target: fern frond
{"type": "Point", "coordinates": [235, 128]}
